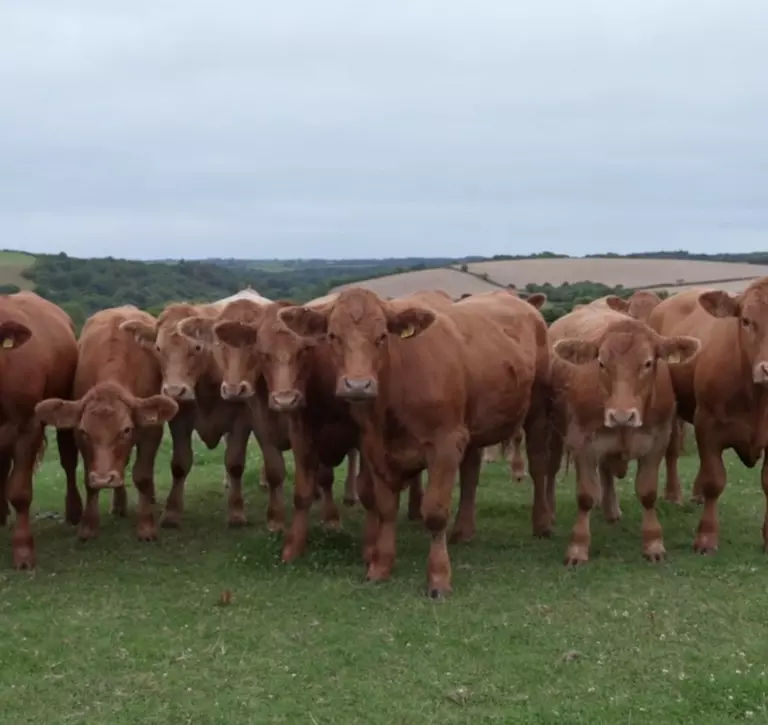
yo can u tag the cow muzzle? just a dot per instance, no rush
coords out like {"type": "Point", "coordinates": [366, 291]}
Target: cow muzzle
{"type": "Point", "coordinates": [285, 400]}
{"type": "Point", "coordinates": [623, 418]}
{"type": "Point", "coordinates": [238, 391]}
{"type": "Point", "coordinates": [357, 388]}
{"type": "Point", "coordinates": [760, 373]}
{"type": "Point", "coordinates": [111, 479]}
{"type": "Point", "coordinates": [178, 391]}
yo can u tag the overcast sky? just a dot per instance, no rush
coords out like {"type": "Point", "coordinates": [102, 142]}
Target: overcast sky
{"type": "Point", "coordinates": [321, 128]}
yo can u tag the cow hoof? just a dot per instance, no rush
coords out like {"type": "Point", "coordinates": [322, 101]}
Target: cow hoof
{"type": "Point", "coordinates": [147, 535]}
{"type": "Point", "coordinates": [655, 553]}
{"type": "Point", "coordinates": [289, 554]}
{"type": "Point", "coordinates": [576, 556]}
{"type": "Point", "coordinates": [119, 512]}
{"type": "Point", "coordinates": [275, 527]}
{"type": "Point", "coordinates": [674, 498]}
{"type": "Point", "coordinates": [237, 521]}
{"type": "Point", "coordinates": [349, 502]}
{"type": "Point", "coordinates": [415, 516]}
{"type": "Point", "coordinates": [332, 524]}
{"type": "Point", "coordinates": [437, 594]}
{"type": "Point", "coordinates": [543, 533]}
{"type": "Point", "coordinates": [697, 499]}
{"type": "Point", "coordinates": [73, 517]}
{"type": "Point", "coordinates": [86, 533]}
{"type": "Point", "coordinates": [23, 558]}
{"type": "Point", "coordinates": [170, 521]}
{"type": "Point", "coordinates": [613, 517]}
{"type": "Point", "coordinates": [460, 537]}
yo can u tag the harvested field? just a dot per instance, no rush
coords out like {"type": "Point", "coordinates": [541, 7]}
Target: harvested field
{"type": "Point", "coordinates": [732, 287]}
{"type": "Point", "coordinates": [454, 282]}
{"type": "Point", "coordinates": [659, 273]}
{"type": "Point", "coordinates": [12, 264]}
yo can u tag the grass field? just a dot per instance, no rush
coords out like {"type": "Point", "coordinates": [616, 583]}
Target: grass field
{"type": "Point", "coordinates": [115, 631]}
{"type": "Point", "coordinates": [12, 264]}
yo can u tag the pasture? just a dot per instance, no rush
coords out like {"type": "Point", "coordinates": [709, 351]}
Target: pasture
{"type": "Point", "coordinates": [12, 264]}
{"type": "Point", "coordinates": [116, 631]}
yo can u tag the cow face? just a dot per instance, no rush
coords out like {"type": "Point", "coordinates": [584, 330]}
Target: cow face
{"type": "Point", "coordinates": [182, 360]}
{"type": "Point", "coordinates": [627, 358]}
{"type": "Point", "coordinates": [750, 308]}
{"type": "Point", "coordinates": [106, 421]}
{"type": "Point", "coordinates": [641, 304]}
{"type": "Point", "coordinates": [359, 328]}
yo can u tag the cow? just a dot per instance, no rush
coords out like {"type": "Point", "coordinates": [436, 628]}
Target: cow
{"type": "Point", "coordinates": [724, 391]}
{"type": "Point", "coordinates": [429, 388]}
{"type": "Point", "coordinates": [240, 370]}
{"type": "Point", "coordinates": [639, 305]}
{"type": "Point", "coordinates": [614, 403]}
{"type": "Point", "coordinates": [191, 377]}
{"type": "Point", "coordinates": [38, 356]}
{"type": "Point", "coordinates": [116, 408]}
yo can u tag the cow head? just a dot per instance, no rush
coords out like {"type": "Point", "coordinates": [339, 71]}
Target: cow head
{"type": "Point", "coordinates": [641, 304]}
{"type": "Point", "coordinates": [626, 357]}
{"type": "Point", "coordinates": [182, 360]}
{"type": "Point", "coordinates": [278, 353]}
{"type": "Point", "coordinates": [106, 421]}
{"type": "Point", "coordinates": [237, 364]}
{"type": "Point", "coordinates": [359, 327]}
{"type": "Point", "coordinates": [750, 308]}
{"type": "Point", "coordinates": [13, 335]}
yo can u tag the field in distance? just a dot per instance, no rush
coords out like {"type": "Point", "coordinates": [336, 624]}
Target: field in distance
{"type": "Point", "coordinates": [12, 264]}
{"type": "Point", "coordinates": [657, 274]}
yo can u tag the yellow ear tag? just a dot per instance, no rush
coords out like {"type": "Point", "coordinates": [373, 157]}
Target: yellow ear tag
{"type": "Point", "coordinates": [674, 358]}
{"type": "Point", "coordinates": [7, 343]}
{"type": "Point", "coordinates": [408, 332]}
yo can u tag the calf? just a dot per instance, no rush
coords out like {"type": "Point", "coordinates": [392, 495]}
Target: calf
{"type": "Point", "coordinates": [724, 391]}
{"type": "Point", "coordinates": [191, 376]}
{"type": "Point", "coordinates": [614, 403]}
{"type": "Point", "coordinates": [38, 355]}
{"type": "Point", "coordinates": [116, 408]}
{"type": "Point", "coordinates": [429, 388]}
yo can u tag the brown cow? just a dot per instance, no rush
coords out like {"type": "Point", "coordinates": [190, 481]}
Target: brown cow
{"type": "Point", "coordinates": [429, 389]}
{"type": "Point", "coordinates": [640, 305]}
{"type": "Point", "coordinates": [191, 377]}
{"type": "Point", "coordinates": [615, 403]}
{"type": "Point", "coordinates": [724, 391]}
{"type": "Point", "coordinates": [38, 355]}
{"type": "Point", "coordinates": [242, 380]}
{"type": "Point", "coordinates": [116, 408]}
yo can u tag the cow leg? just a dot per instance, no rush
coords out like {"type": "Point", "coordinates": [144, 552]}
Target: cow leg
{"type": "Point", "coordinates": [90, 521]}
{"type": "Point", "coordinates": [304, 489]}
{"type": "Point", "coordinates": [274, 470]}
{"type": "Point", "coordinates": [387, 494]}
{"type": "Point", "coordinates": [469, 477]}
{"type": "Point", "coordinates": [73, 503]}
{"type": "Point", "coordinates": [181, 463]}
{"type": "Point", "coordinates": [234, 462]}
{"type": "Point", "coordinates": [556, 446]}
{"type": "Point", "coordinates": [19, 492]}
{"type": "Point", "coordinates": [515, 457]}
{"type": "Point", "coordinates": [610, 503]}
{"type": "Point", "coordinates": [491, 454]}
{"type": "Point", "coordinates": [119, 502]}
{"type": "Point", "coordinates": [5, 469]}
{"type": "Point", "coordinates": [711, 480]}
{"type": "Point", "coordinates": [442, 466]}
{"type": "Point", "coordinates": [672, 490]}
{"type": "Point", "coordinates": [646, 487]}
{"type": "Point", "coordinates": [331, 517]}
{"type": "Point", "coordinates": [537, 444]}
{"type": "Point", "coordinates": [415, 498]}
{"type": "Point", "coordinates": [350, 492]}
{"type": "Point", "coordinates": [764, 481]}
{"type": "Point", "coordinates": [143, 474]}
{"type": "Point", "coordinates": [367, 497]}
{"type": "Point", "coordinates": [586, 496]}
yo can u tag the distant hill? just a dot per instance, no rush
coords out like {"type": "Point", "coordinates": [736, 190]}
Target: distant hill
{"type": "Point", "coordinates": [12, 265]}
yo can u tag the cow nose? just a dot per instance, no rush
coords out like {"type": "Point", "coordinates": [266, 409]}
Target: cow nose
{"type": "Point", "coordinates": [760, 373]}
{"type": "Point", "coordinates": [178, 391]}
{"type": "Point", "coordinates": [285, 399]}
{"type": "Point", "coordinates": [238, 391]}
{"type": "Point", "coordinates": [358, 388]}
{"type": "Point", "coordinates": [620, 418]}
{"type": "Point", "coordinates": [104, 480]}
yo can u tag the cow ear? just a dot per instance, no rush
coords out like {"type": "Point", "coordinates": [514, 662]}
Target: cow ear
{"type": "Point", "coordinates": [576, 352]}
{"type": "Point", "coordinates": [13, 335]}
{"type": "Point", "coordinates": [679, 349]}
{"type": "Point", "coordinates": [409, 322]}
{"type": "Point", "coordinates": [617, 304]}
{"type": "Point", "coordinates": [155, 410]}
{"type": "Point", "coordinates": [197, 329]}
{"type": "Point", "coordinates": [719, 304]}
{"type": "Point", "coordinates": [537, 299]}
{"type": "Point", "coordinates": [144, 334]}
{"type": "Point", "coordinates": [304, 321]}
{"type": "Point", "coordinates": [236, 334]}
{"type": "Point", "coordinates": [59, 413]}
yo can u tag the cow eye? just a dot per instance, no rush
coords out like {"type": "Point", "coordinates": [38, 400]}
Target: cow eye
{"type": "Point", "coordinates": [127, 430]}
{"type": "Point", "coordinates": [746, 322]}
{"type": "Point", "coordinates": [198, 347]}
{"type": "Point", "coordinates": [601, 364]}
{"type": "Point", "coordinates": [381, 338]}
{"type": "Point", "coordinates": [648, 364]}
{"type": "Point", "coordinates": [157, 348]}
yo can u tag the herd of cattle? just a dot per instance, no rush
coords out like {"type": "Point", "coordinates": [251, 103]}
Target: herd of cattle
{"type": "Point", "coordinates": [420, 382]}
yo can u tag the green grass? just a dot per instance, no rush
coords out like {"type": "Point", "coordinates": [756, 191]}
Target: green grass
{"type": "Point", "coordinates": [12, 264]}
{"type": "Point", "coordinates": [116, 631]}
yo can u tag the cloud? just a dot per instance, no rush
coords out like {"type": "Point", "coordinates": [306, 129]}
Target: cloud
{"type": "Point", "coordinates": [343, 129]}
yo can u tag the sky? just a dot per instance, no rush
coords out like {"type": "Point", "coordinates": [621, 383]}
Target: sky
{"type": "Point", "coordinates": [321, 128]}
